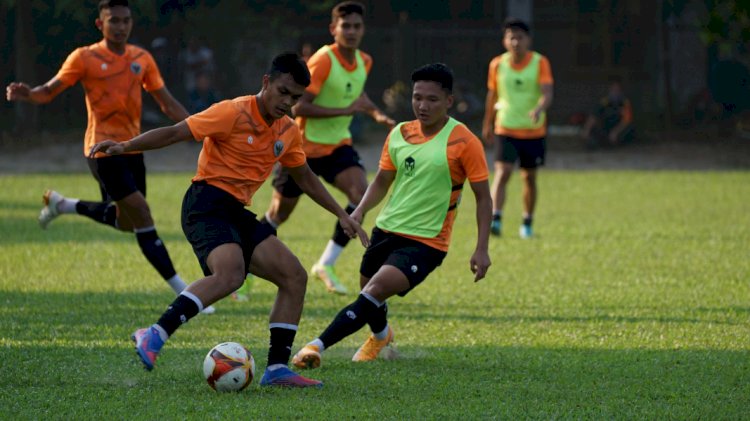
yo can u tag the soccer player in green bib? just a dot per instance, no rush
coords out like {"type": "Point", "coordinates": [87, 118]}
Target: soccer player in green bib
{"type": "Point", "coordinates": [426, 163]}
{"type": "Point", "coordinates": [519, 91]}
{"type": "Point", "coordinates": [339, 72]}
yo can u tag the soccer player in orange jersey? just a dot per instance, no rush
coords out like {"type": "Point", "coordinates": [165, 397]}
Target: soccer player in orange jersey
{"type": "Point", "coordinates": [242, 140]}
{"type": "Point", "coordinates": [519, 91]}
{"type": "Point", "coordinates": [339, 73]}
{"type": "Point", "coordinates": [112, 73]}
{"type": "Point", "coordinates": [425, 163]}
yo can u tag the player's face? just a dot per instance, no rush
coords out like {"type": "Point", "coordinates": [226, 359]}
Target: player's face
{"type": "Point", "coordinates": [280, 95]}
{"type": "Point", "coordinates": [430, 102]}
{"type": "Point", "coordinates": [516, 41]}
{"type": "Point", "coordinates": [348, 31]}
{"type": "Point", "coordinates": [115, 24]}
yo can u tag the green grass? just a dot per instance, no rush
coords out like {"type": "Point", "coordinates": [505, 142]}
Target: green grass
{"type": "Point", "coordinates": [632, 302]}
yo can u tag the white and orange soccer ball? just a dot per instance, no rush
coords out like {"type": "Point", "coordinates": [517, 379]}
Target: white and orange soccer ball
{"type": "Point", "coordinates": [229, 367]}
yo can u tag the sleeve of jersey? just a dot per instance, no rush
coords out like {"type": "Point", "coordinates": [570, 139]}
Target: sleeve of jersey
{"type": "Point", "coordinates": [294, 156]}
{"type": "Point", "coordinates": [320, 67]}
{"type": "Point", "coordinates": [473, 160]}
{"type": "Point", "coordinates": [491, 79]}
{"type": "Point", "coordinates": [215, 122]}
{"type": "Point", "coordinates": [152, 80]}
{"type": "Point", "coordinates": [368, 62]}
{"type": "Point", "coordinates": [72, 69]}
{"type": "Point", "coordinates": [545, 72]}
{"type": "Point", "coordinates": [386, 163]}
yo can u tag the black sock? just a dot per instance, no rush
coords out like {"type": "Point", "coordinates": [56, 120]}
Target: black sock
{"type": "Point", "coordinates": [156, 253]}
{"type": "Point", "coordinates": [281, 345]}
{"type": "Point", "coordinates": [339, 236]}
{"type": "Point", "coordinates": [527, 220]}
{"type": "Point", "coordinates": [497, 217]}
{"type": "Point", "coordinates": [379, 319]}
{"type": "Point", "coordinates": [349, 320]}
{"type": "Point", "coordinates": [102, 212]}
{"type": "Point", "coordinates": [180, 311]}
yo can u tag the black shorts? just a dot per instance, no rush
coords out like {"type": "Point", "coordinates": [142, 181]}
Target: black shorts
{"type": "Point", "coordinates": [212, 217]}
{"type": "Point", "coordinates": [119, 175]}
{"type": "Point", "coordinates": [416, 260]}
{"type": "Point", "coordinates": [530, 152]}
{"type": "Point", "coordinates": [327, 167]}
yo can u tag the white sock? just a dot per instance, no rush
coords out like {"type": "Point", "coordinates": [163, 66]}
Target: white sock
{"type": "Point", "coordinates": [195, 299]}
{"type": "Point", "coordinates": [67, 205]}
{"type": "Point", "coordinates": [162, 333]}
{"type": "Point", "coordinates": [330, 254]}
{"type": "Point", "coordinates": [176, 283]}
{"type": "Point", "coordinates": [381, 335]}
{"type": "Point", "coordinates": [317, 342]}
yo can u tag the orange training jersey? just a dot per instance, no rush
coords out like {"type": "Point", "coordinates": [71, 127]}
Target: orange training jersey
{"type": "Point", "coordinates": [466, 159]}
{"type": "Point", "coordinates": [240, 148]}
{"type": "Point", "coordinates": [320, 67]}
{"type": "Point", "coordinates": [545, 78]}
{"type": "Point", "coordinates": [113, 89]}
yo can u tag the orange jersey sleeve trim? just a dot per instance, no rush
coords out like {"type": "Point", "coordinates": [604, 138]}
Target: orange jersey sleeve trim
{"type": "Point", "coordinates": [320, 67]}
{"type": "Point", "coordinates": [492, 74]}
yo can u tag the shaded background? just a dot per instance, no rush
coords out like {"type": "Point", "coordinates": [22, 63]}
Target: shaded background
{"type": "Point", "coordinates": [667, 53]}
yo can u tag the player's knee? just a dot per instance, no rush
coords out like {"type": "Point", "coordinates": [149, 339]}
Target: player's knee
{"type": "Point", "coordinates": [294, 279]}
{"type": "Point", "coordinates": [230, 279]}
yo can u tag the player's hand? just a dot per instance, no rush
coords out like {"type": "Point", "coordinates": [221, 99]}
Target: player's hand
{"type": "Point", "coordinates": [480, 262]}
{"type": "Point", "coordinates": [362, 104]}
{"type": "Point", "coordinates": [353, 229]}
{"type": "Point", "coordinates": [534, 114]}
{"type": "Point", "coordinates": [109, 147]}
{"type": "Point", "coordinates": [17, 91]}
{"type": "Point", "coordinates": [383, 119]}
{"type": "Point", "coordinates": [487, 134]}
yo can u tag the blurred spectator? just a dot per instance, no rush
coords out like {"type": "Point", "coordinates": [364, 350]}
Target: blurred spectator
{"type": "Point", "coordinates": [306, 51]}
{"type": "Point", "coordinates": [203, 94]}
{"type": "Point", "coordinates": [612, 122]}
{"type": "Point", "coordinates": [196, 58]}
{"type": "Point", "coordinates": [700, 109]}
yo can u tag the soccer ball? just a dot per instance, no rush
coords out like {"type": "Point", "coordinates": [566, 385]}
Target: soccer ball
{"type": "Point", "coordinates": [229, 367]}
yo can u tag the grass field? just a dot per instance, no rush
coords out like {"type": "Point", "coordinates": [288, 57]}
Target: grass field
{"type": "Point", "coordinates": [633, 302]}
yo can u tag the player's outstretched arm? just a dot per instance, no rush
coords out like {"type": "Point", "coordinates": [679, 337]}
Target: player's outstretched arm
{"type": "Point", "coordinates": [375, 193]}
{"type": "Point", "coordinates": [365, 104]}
{"type": "Point", "coordinates": [480, 260]}
{"type": "Point", "coordinates": [152, 139]}
{"type": "Point", "coordinates": [169, 105]}
{"type": "Point", "coordinates": [311, 185]}
{"type": "Point", "coordinates": [42, 94]}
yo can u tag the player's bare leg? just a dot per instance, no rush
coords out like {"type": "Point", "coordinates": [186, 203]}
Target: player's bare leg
{"type": "Point", "coordinates": [353, 183]}
{"type": "Point", "coordinates": [503, 171]}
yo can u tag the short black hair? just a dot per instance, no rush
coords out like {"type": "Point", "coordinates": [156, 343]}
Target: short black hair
{"type": "Point", "coordinates": [435, 72]}
{"type": "Point", "coordinates": [106, 4]}
{"type": "Point", "coordinates": [515, 23]}
{"type": "Point", "coordinates": [346, 8]}
{"type": "Point", "coordinates": [290, 63]}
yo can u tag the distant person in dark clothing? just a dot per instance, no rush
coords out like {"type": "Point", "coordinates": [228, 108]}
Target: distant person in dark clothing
{"type": "Point", "coordinates": [203, 95]}
{"type": "Point", "coordinates": [612, 121]}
